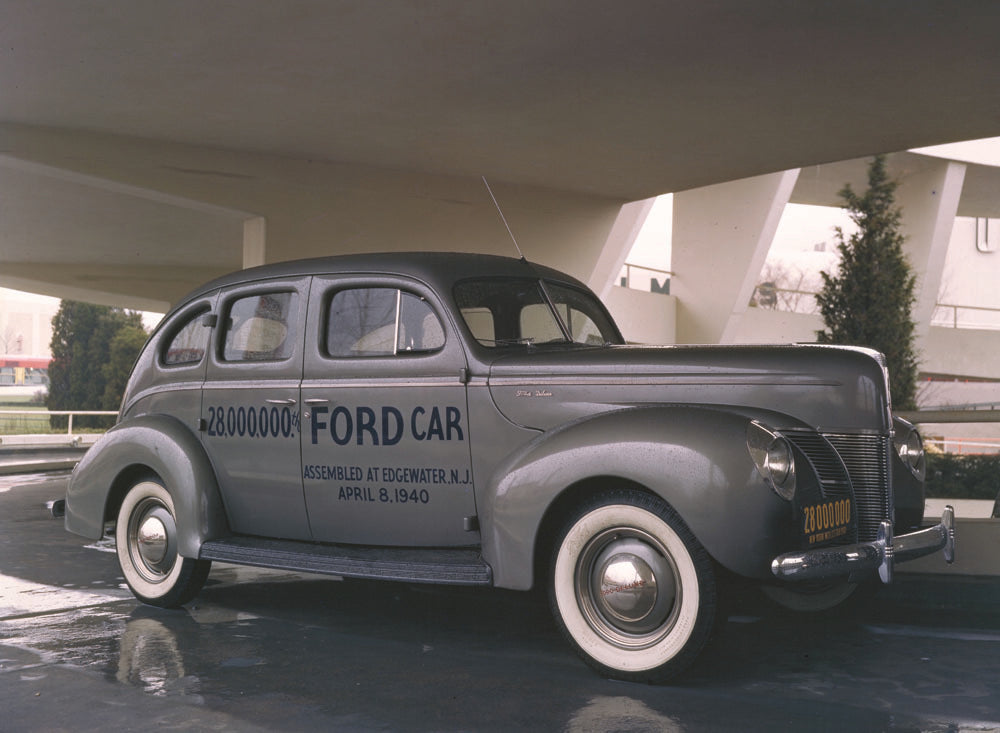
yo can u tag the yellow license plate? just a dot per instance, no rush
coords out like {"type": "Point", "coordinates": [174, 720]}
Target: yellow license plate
{"type": "Point", "coordinates": [826, 521]}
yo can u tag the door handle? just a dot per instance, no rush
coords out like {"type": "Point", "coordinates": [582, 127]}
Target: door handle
{"type": "Point", "coordinates": [317, 401]}
{"type": "Point", "coordinates": [289, 401]}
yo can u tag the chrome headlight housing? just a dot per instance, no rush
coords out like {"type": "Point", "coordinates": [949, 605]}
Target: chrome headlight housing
{"type": "Point", "coordinates": [909, 447]}
{"type": "Point", "coordinates": [772, 454]}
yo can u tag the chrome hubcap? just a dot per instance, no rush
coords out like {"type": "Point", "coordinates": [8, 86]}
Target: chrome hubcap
{"type": "Point", "coordinates": [627, 587]}
{"type": "Point", "coordinates": [152, 539]}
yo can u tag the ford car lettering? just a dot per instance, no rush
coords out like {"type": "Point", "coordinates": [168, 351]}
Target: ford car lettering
{"type": "Point", "coordinates": [387, 426]}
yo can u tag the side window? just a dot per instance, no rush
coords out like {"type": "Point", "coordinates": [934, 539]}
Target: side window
{"type": "Point", "coordinates": [581, 326]}
{"type": "Point", "coordinates": [537, 320]}
{"type": "Point", "coordinates": [380, 322]}
{"type": "Point", "coordinates": [361, 322]}
{"type": "Point", "coordinates": [258, 327]}
{"type": "Point", "coordinates": [587, 324]}
{"type": "Point", "coordinates": [187, 345]}
{"type": "Point", "coordinates": [419, 327]}
{"type": "Point", "coordinates": [480, 322]}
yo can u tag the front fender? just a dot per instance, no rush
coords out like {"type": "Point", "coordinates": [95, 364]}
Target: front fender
{"type": "Point", "coordinates": [695, 458]}
{"type": "Point", "coordinates": [151, 443]}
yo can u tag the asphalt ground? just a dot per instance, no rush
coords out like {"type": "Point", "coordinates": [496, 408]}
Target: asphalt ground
{"type": "Point", "coordinates": [269, 651]}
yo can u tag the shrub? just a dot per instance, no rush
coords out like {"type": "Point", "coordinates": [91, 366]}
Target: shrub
{"type": "Point", "coordinates": [963, 476]}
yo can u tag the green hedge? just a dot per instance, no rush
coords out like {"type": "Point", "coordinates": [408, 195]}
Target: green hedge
{"type": "Point", "coordinates": [960, 476]}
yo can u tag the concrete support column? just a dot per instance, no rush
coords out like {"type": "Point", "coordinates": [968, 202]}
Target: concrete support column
{"type": "Point", "coordinates": [254, 241]}
{"type": "Point", "coordinates": [721, 236]}
{"type": "Point", "coordinates": [928, 200]}
{"type": "Point", "coordinates": [618, 245]}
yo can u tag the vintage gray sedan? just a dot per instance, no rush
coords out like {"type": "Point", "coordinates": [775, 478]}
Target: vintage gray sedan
{"type": "Point", "coordinates": [469, 419]}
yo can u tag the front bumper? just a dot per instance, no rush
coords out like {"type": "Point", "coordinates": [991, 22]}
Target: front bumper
{"type": "Point", "coordinates": [856, 561]}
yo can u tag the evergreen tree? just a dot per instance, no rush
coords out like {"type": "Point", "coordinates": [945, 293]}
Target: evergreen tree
{"type": "Point", "coordinates": [868, 301]}
{"type": "Point", "coordinates": [124, 348]}
{"type": "Point", "coordinates": [85, 373]}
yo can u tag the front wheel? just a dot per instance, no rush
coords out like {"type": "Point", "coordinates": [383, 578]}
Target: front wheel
{"type": "Point", "coordinates": [146, 542]}
{"type": "Point", "coordinates": [818, 597]}
{"type": "Point", "coordinates": [631, 588]}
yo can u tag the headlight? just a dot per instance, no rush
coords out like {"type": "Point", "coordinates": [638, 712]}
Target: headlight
{"type": "Point", "coordinates": [772, 454]}
{"type": "Point", "coordinates": [909, 447]}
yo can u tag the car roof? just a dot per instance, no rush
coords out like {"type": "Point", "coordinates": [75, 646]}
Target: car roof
{"type": "Point", "coordinates": [440, 270]}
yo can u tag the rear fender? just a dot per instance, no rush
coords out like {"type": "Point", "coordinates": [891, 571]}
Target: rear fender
{"type": "Point", "coordinates": [694, 458]}
{"type": "Point", "coordinates": [150, 444]}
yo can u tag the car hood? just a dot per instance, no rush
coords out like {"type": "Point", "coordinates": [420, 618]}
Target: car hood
{"type": "Point", "coordinates": [831, 388]}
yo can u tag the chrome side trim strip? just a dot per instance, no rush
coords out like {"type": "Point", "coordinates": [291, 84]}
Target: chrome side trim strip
{"type": "Point", "coordinates": [380, 383]}
{"type": "Point", "coordinates": [663, 379]}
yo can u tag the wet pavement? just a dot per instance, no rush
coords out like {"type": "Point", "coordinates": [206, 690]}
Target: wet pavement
{"type": "Point", "coordinates": [267, 651]}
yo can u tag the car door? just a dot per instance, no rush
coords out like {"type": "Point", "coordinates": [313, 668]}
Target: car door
{"type": "Point", "coordinates": [385, 439]}
{"type": "Point", "coordinates": [250, 407]}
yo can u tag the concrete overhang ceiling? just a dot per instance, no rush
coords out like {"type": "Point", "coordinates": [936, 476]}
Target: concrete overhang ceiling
{"type": "Point", "coordinates": [147, 113]}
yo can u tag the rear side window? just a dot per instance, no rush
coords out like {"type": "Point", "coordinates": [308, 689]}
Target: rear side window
{"type": "Point", "coordinates": [187, 345]}
{"type": "Point", "coordinates": [259, 327]}
{"type": "Point", "coordinates": [503, 312]}
{"type": "Point", "coordinates": [586, 324]}
{"type": "Point", "coordinates": [380, 322]}
{"type": "Point", "coordinates": [480, 322]}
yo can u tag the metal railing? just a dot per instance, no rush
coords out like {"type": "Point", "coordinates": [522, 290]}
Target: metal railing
{"type": "Point", "coordinates": [948, 444]}
{"type": "Point", "coordinates": [789, 300]}
{"type": "Point", "coordinates": [940, 318]}
{"type": "Point", "coordinates": [44, 415]}
{"type": "Point", "coordinates": [946, 315]}
{"type": "Point", "coordinates": [958, 415]}
{"type": "Point", "coordinates": [653, 284]}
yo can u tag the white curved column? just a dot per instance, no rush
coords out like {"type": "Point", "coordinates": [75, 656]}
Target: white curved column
{"type": "Point", "coordinates": [721, 236]}
{"type": "Point", "coordinates": [928, 200]}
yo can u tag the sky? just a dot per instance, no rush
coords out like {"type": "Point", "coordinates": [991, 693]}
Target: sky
{"type": "Point", "coordinates": [985, 151]}
{"type": "Point", "coordinates": [149, 319]}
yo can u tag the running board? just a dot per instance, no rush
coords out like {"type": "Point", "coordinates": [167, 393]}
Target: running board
{"type": "Point", "coordinates": [459, 566]}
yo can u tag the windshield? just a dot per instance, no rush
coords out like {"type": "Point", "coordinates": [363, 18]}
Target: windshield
{"type": "Point", "coordinates": [511, 311]}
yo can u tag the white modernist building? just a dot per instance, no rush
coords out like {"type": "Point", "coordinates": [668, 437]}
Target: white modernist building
{"type": "Point", "coordinates": [722, 236]}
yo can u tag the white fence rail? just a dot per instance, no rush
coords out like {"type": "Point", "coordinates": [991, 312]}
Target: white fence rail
{"type": "Point", "coordinates": [648, 279]}
{"type": "Point", "coordinates": [946, 315]}
{"type": "Point", "coordinates": [966, 316]}
{"type": "Point", "coordinates": [20, 422]}
{"type": "Point", "coordinates": [949, 444]}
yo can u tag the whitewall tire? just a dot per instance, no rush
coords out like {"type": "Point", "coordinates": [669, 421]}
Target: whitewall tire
{"type": "Point", "coordinates": [631, 588]}
{"type": "Point", "coordinates": [146, 543]}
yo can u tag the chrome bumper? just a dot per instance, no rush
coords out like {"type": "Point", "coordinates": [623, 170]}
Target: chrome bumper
{"type": "Point", "coordinates": [860, 559]}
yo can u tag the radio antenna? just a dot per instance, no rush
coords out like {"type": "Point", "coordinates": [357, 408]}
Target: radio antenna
{"type": "Point", "coordinates": [503, 219]}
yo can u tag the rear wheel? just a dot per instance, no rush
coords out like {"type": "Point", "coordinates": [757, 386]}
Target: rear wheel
{"type": "Point", "coordinates": [146, 542]}
{"type": "Point", "coordinates": [631, 588]}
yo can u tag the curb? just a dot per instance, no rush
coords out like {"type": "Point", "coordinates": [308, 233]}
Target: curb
{"type": "Point", "coordinates": [977, 552]}
{"type": "Point", "coordinates": [39, 466]}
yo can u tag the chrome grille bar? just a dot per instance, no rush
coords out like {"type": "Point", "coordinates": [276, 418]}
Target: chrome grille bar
{"type": "Point", "coordinates": [866, 459]}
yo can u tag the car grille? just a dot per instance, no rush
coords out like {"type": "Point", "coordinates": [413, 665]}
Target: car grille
{"type": "Point", "coordinates": [866, 459]}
